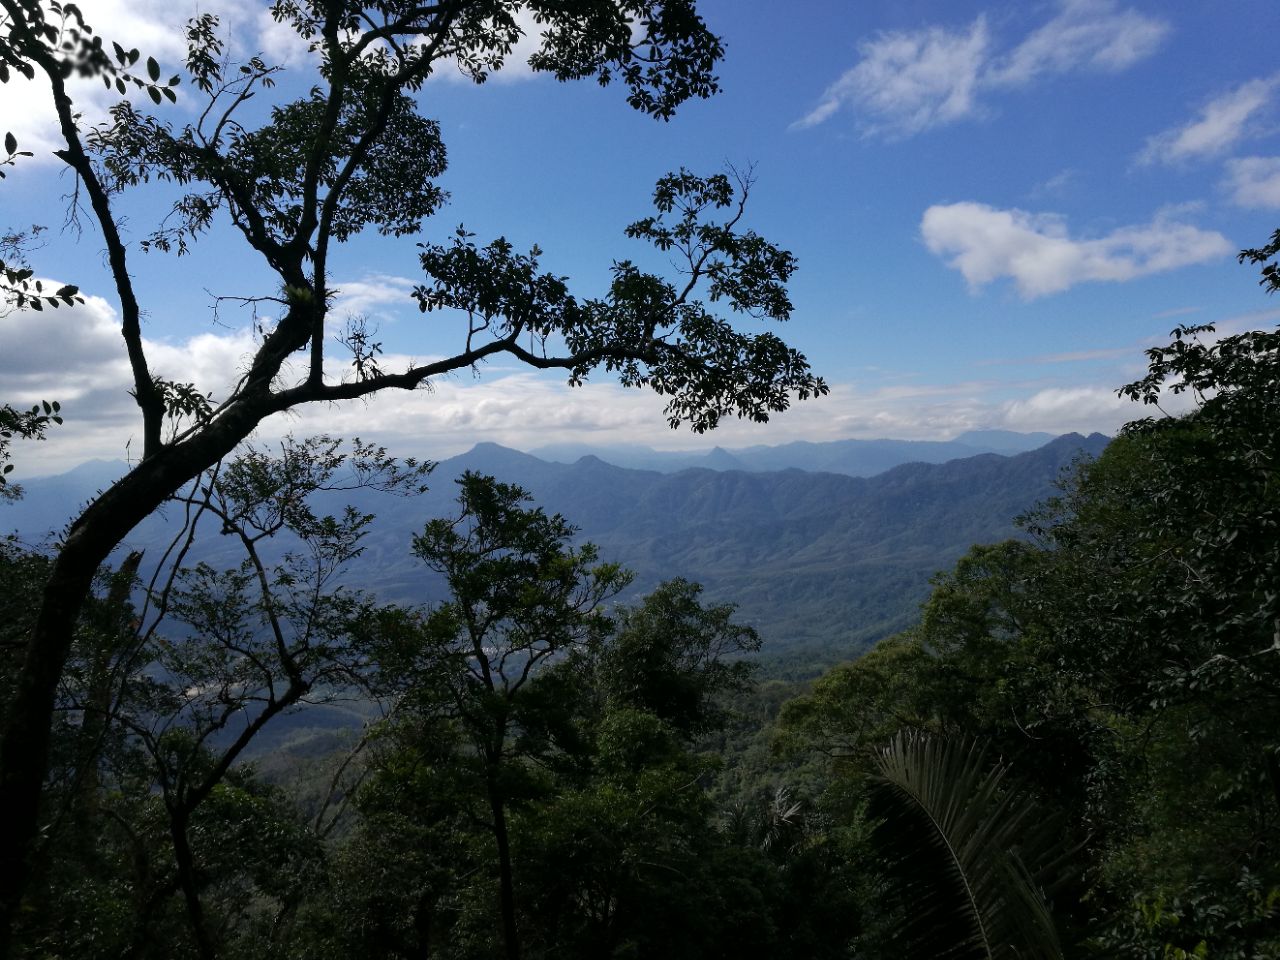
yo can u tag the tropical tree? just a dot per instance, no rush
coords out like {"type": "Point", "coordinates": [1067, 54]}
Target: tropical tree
{"type": "Point", "coordinates": [353, 153]}
{"type": "Point", "coordinates": [1122, 661]}
{"type": "Point", "coordinates": [571, 779]}
{"type": "Point", "coordinates": [973, 857]}
{"type": "Point", "coordinates": [148, 804]}
{"type": "Point", "coordinates": [520, 596]}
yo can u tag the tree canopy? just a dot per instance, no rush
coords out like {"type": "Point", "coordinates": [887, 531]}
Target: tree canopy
{"type": "Point", "coordinates": [355, 153]}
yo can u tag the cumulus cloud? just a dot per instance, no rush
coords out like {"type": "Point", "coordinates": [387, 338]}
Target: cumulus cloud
{"type": "Point", "coordinates": [515, 66]}
{"type": "Point", "coordinates": [379, 296]}
{"type": "Point", "coordinates": [26, 106]}
{"type": "Point", "coordinates": [1254, 181]}
{"type": "Point", "coordinates": [156, 27]}
{"type": "Point", "coordinates": [1219, 125]}
{"type": "Point", "coordinates": [525, 410]}
{"type": "Point", "coordinates": [76, 356]}
{"type": "Point", "coordinates": [906, 82]}
{"type": "Point", "coordinates": [1082, 409]}
{"type": "Point", "coordinates": [1036, 251]}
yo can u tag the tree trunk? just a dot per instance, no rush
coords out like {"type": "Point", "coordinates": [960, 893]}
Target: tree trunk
{"type": "Point", "coordinates": [99, 695]}
{"type": "Point", "coordinates": [24, 740]}
{"type": "Point", "coordinates": [24, 746]}
{"type": "Point", "coordinates": [178, 822]}
{"type": "Point", "coordinates": [506, 883]}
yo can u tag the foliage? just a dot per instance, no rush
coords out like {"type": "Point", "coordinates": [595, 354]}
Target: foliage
{"type": "Point", "coordinates": [1123, 663]}
{"type": "Point", "coordinates": [543, 759]}
{"type": "Point", "coordinates": [24, 425]}
{"type": "Point", "coordinates": [296, 180]}
{"type": "Point", "coordinates": [974, 856]}
{"type": "Point", "coordinates": [159, 705]}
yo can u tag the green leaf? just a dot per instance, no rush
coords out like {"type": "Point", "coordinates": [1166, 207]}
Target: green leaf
{"type": "Point", "coordinates": [153, 68]}
{"type": "Point", "coordinates": [973, 856]}
{"type": "Point", "coordinates": [10, 143]}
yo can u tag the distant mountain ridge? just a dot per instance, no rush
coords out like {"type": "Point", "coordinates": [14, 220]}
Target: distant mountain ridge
{"type": "Point", "coordinates": [810, 558]}
{"type": "Point", "coordinates": [855, 458]}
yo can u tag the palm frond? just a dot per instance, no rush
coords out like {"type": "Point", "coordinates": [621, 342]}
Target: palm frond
{"type": "Point", "coordinates": [971, 856]}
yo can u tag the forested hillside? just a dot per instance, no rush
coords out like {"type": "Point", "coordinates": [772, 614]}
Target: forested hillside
{"type": "Point", "coordinates": [300, 696]}
{"type": "Point", "coordinates": [814, 560]}
{"type": "Point", "coordinates": [1072, 753]}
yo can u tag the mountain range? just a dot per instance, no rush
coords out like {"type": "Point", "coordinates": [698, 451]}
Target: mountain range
{"type": "Point", "coordinates": [855, 458]}
{"type": "Point", "coordinates": [813, 560]}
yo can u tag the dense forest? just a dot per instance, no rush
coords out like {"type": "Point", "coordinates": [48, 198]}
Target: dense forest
{"type": "Point", "coordinates": [1072, 753]}
{"type": "Point", "coordinates": [815, 561]}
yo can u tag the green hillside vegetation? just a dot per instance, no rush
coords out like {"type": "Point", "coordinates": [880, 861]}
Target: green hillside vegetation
{"type": "Point", "coordinates": [820, 564]}
{"type": "Point", "coordinates": [1074, 752]}
{"type": "Point", "coordinates": [524, 714]}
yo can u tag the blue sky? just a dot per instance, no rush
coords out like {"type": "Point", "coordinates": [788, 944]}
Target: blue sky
{"type": "Point", "coordinates": [995, 207]}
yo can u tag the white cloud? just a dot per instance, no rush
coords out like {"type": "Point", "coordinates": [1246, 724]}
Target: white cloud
{"type": "Point", "coordinates": [153, 26]}
{"type": "Point", "coordinates": [76, 356]}
{"type": "Point", "coordinates": [908, 82]}
{"type": "Point", "coordinates": [1070, 356]}
{"type": "Point", "coordinates": [1058, 410]}
{"type": "Point", "coordinates": [911, 81]}
{"type": "Point", "coordinates": [379, 296]}
{"type": "Point", "coordinates": [278, 43]}
{"type": "Point", "coordinates": [156, 28]}
{"type": "Point", "coordinates": [1176, 312]}
{"type": "Point", "coordinates": [1057, 184]}
{"type": "Point", "coordinates": [1087, 34]}
{"type": "Point", "coordinates": [1036, 251]}
{"type": "Point", "coordinates": [515, 67]}
{"type": "Point", "coordinates": [1254, 181]}
{"type": "Point", "coordinates": [1220, 124]}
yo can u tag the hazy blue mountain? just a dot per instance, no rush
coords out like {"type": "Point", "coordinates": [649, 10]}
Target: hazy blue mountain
{"type": "Point", "coordinates": [1004, 441]}
{"type": "Point", "coordinates": [856, 458]}
{"type": "Point", "coordinates": [49, 502]}
{"type": "Point", "coordinates": [811, 558]}
{"type": "Point", "coordinates": [638, 457]}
